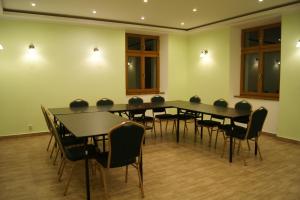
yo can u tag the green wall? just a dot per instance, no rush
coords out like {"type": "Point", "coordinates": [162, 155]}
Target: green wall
{"type": "Point", "coordinates": [290, 75]}
{"type": "Point", "coordinates": [61, 71]}
{"type": "Point", "coordinates": [209, 76]}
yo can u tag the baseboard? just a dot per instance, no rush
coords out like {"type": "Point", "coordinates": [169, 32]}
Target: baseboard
{"type": "Point", "coordinates": [23, 135]}
{"type": "Point", "coordinates": [281, 138]}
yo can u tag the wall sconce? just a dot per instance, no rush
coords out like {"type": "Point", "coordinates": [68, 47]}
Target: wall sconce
{"type": "Point", "coordinates": [298, 44]}
{"type": "Point", "coordinates": [31, 48]}
{"type": "Point", "coordinates": [1, 47]}
{"type": "Point", "coordinates": [96, 52]}
{"type": "Point", "coordinates": [203, 53]}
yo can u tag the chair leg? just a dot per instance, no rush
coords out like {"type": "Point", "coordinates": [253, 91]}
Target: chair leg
{"type": "Point", "coordinates": [140, 180]}
{"type": "Point", "coordinates": [224, 148]}
{"type": "Point", "coordinates": [216, 140]}
{"type": "Point", "coordinates": [248, 145]}
{"type": "Point", "coordinates": [69, 180]}
{"type": "Point", "coordinates": [166, 129]}
{"type": "Point", "coordinates": [101, 169]}
{"type": "Point", "coordinates": [258, 149]}
{"type": "Point", "coordinates": [61, 171]}
{"type": "Point", "coordinates": [154, 128]}
{"type": "Point", "coordinates": [51, 137]}
{"type": "Point", "coordinates": [56, 155]}
{"type": "Point", "coordinates": [242, 155]}
{"type": "Point", "coordinates": [53, 148]}
{"type": "Point", "coordinates": [160, 128]}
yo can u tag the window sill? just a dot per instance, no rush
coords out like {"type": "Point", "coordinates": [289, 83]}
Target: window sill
{"type": "Point", "coordinates": [272, 98]}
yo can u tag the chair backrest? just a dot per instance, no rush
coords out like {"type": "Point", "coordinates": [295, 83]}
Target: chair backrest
{"type": "Point", "coordinates": [243, 106]}
{"type": "Point", "coordinates": [195, 99]}
{"type": "Point", "coordinates": [46, 117]}
{"type": "Point", "coordinates": [54, 131]}
{"type": "Point", "coordinates": [135, 101]}
{"type": "Point", "coordinates": [79, 103]}
{"type": "Point", "coordinates": [158, 99]}
{"type": "Point", "coordinates": [221, 103]}
{"type": "Point", "coordinates": [125, 142]}
{"type": "Point", "coordinates": [256, 122]}
{"type": "Point", "coordinates": [105, 102]}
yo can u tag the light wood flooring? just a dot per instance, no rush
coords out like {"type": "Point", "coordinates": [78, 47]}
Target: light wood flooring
{"type": "Point", "coordinates": [185, 171]}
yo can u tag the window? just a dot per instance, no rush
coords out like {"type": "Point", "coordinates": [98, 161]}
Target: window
{"type": "Point", "coordinates": [260, 67]}
{"type": "Point", "coordinates": [142, 64]}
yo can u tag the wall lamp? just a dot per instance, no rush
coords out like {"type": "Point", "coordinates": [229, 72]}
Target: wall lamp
{"type": "Point", "coordinates": [298, 44]}
{"type": "Point", "coordinates": [31, 48]}
{"type": "Point", "coordinates": [203, 53]}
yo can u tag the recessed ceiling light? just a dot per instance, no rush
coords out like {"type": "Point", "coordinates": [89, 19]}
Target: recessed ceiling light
{"type": "Point", "coordinates": [145, 1]}
{"type": "Point", "coordinates": [182, 23]}
{"type": "Point", "coordinates": [194, 9]}
{"type": "Point", "coordinates": [33, 4]}
{"type": "Point", "coordinates": [142, 18]}
{"type": "Point", "coordinates": [94, 11]}
{"type": "Point", "coordinates": [260, 0]}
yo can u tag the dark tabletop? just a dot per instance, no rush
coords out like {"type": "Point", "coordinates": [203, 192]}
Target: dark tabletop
{"type": "Point", "coordinates": [90, 124]}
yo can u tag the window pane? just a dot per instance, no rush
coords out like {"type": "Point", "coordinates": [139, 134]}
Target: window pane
{"type": "Point", "coordinates": [272, 35]}
{"type": "Point", "coordinates": [134, 72]}
{"type": "Point", "coordinates": [251, 39]}
{"type": "Point", "coordinates": [150, 44]}
{"type": "Point", "coordinates": [271, 72]}
{"type": "Point", "coordinates": [251, 72]}
{"type": "Point", "coordinates": [134, 43]}
{"type": "Point", "coordinates": [150, 72]}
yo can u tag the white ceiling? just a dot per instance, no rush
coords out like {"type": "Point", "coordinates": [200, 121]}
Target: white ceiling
{"type": "Point", "coordinates": [159, 13]}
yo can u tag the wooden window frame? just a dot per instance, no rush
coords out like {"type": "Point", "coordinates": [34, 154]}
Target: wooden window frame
{"type": "Point", "coordinates": [260, 49]}
{"type": "Point", "coordinates": [142, 54]}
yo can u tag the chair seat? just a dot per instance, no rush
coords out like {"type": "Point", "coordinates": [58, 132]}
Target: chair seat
{"type": "Point", "coordinates": [208, 123]}
{"type": "Point", "coordinates": [236, 132]}
{"type": "Point", "coordinates": [78, 152]}
{"type": "Point", "coordinates": [143, 119]}
{"type": "Point", "coordinates": [102, 158]}
{"type": "Point", "coordinates": [72, 140]}
{"type": "Point", "coordinates": [165, 116]}
{"type": "Point", "coordinates": [185, 116]}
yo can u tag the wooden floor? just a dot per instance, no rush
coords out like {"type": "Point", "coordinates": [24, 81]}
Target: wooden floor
{"type": "Point", "coordinates": [188, 170]}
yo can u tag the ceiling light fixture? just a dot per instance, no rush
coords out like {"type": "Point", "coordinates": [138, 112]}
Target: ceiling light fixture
{"type": "Point", "coordinates": [298, 44]}
{"type": "Point", "coordinates": [1, 47]}
{"type": "Point", "coordinates": [260, 0]}
{"type": "Point", "coordinates": [145, 1]}
{"type": "Point", "coordinates": [194, 9]}
{"type": "Point", "coordinates": [142, 18]}
{"type": "Point", "coordinates": [94, 11]}
{"type": "Point", "coordinates": [182, 23]}
{"type": "Point", "coordinates": [33, 4]}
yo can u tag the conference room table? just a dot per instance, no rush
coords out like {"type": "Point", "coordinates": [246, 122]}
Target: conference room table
{"type": "Point", "coordinates": [98, 120]}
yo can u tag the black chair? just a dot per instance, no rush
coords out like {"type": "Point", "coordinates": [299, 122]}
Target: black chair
{"type": "Point", "coordinates": [125, 144]}
{"type": "Point", "coordinates": [161, 114]}
{"type": "Point", "coordinates": [79, 103]}
{"type": "Point", "coordinates": [240, 106]}
{"type": "Point", "coordinates": [139, 115]}
{"type": "Point", "coordinates": [251, 133]}
{"type": "Point", "coordinates": [214, 121]}
{"type": "Point", "coordinates": [48, 126]}
{"type": "Point", "coordinates": [70, 154]}
{"type": "Point", "coordinates": [188, 116]}
{"type": "Point", "coordinates": [104, 102]}
{"type": "Point", "coordinates": [67, 140]}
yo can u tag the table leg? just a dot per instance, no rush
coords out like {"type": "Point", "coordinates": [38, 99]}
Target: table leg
{"type": "Point", "coordinates": [231, 143]}
{"type": "Point", "coordinates": [87, 175]}
{"type": "Point", "coordinates": [177, 128]}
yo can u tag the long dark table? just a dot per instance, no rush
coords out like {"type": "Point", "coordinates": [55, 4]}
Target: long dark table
{"type": "Point", "coordinates": [98, 121]}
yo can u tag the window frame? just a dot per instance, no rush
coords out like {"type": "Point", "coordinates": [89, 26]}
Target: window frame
{"type": "Point", "coordinates": [142, 54]}
{"type": "Point", "coordinates": [260, 49]}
